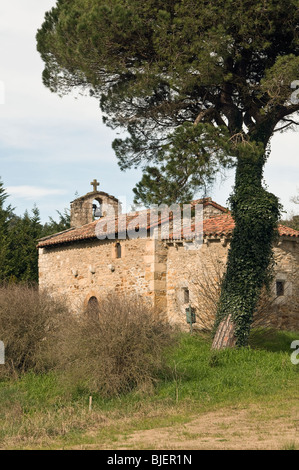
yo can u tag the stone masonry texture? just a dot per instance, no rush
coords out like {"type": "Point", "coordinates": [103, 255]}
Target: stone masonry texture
{"type": "Point", "coordinates": [167, 274]}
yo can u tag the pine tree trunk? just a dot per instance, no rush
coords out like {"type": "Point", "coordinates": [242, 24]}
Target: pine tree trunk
{"type": "Point", "coordinates": [255, 212]}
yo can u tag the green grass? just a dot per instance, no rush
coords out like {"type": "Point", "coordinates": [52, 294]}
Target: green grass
{"type": "Point", "coordinates": [41, 411]}
{"type": "Point", "coordinates": [223, 377]}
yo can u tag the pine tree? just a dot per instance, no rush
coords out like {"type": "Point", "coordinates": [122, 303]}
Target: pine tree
{"type": "Point", "coordinates": [198, 86]}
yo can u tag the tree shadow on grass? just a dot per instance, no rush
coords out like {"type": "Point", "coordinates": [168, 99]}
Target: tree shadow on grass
{"type": "Point", "coordinates": [272, 340]}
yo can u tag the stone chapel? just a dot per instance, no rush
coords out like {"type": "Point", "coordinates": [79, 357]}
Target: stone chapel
{"type": "Point", "coordinates": [170, 272]}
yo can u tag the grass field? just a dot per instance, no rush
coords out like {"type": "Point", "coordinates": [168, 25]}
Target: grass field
{"type": "Point", "coordinates": [246, 398]}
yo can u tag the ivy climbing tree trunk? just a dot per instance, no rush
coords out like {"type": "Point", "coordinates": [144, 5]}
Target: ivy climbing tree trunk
{"type": "Point", "coordinates": [250, 257]}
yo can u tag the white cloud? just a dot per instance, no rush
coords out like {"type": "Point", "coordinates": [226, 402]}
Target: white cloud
{"type": "Point", "coordinates": [18, 16]}
{"type": "Point", "coordinates": [31, 111]}
{"type": "Point", "coordinates": [32, 118]}
{"type": "Point", "coordinates": [32, 192]}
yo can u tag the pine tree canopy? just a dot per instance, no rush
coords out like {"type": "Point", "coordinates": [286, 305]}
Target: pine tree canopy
{"type": "Point", "coordinates": [188, 81]}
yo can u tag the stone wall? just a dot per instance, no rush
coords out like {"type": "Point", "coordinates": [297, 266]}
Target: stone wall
{"type": "Point", "coordinates": [286, 308]}
{"type": "Point", "coordinates": [197, 274]}
{"type": "Point", "coordinates": [193, 273]}
{"type": "Point", "coordinates": [81, 270]}
{"type": "Point", "coordinates": [169, 275]}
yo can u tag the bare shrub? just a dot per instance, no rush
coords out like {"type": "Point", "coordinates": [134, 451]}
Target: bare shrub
{"type": "Point", "coordinates": [116, 348]}
{"type": "Point", "coordinates": [206, 289]}
{"type": "Point", "coordinates": [29, 321]}
{"type": "Point", "coordinates": [111, 348]}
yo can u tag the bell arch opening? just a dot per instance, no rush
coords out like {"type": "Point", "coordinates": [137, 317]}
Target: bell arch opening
{"type": "Point", "coordinates": [97, 211]}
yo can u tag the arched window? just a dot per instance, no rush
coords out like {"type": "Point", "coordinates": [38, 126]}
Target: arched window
{"type": "Point", "coordinates": [117, 250]}
{"type": "Point", "coordinates": [93, 308]}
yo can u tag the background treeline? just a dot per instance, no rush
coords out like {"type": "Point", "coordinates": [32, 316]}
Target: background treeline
{"type": "Point", "coordinates": [293, 220]}
{"type": "Point", "coordinates": [18, 239]}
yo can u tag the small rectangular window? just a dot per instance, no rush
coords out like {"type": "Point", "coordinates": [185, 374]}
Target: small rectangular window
{"type": "Point", "coordinates": [186, 295]}
{"type": "Point", "coordinates": [280, 288]}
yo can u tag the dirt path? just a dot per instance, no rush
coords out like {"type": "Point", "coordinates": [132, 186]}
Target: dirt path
{"type": "Point", "coordinates": [231, 428]}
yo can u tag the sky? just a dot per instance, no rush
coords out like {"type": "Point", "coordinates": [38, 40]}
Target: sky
{"type": "Point", "coordinates": [51, 148]}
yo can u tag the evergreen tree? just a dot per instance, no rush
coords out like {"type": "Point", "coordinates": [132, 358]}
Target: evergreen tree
{"type": "Point", "coordinates": [23, 235]}
{"type": "Point", "coordinates": [22, 260]}
{"type": "Point", "coordinates": [18, 240]}
{"type": "Point", "coordinates": [52, 226]}
{"type": "Point", "coordinates": [292, 222]}
{"type": "Point", "coordinates": [198, 85]}
{"type": "Point", "coordinates": [6, 217]}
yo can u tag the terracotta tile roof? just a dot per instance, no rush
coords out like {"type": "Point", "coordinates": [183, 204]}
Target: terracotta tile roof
{"type": "Point", "coordinates": [287, 231]}
{"type": "Point", "coordinates": [223, 225]}
{"type": "Point", "coordinates": [73, 234]}
{"type": "Point", "coordinates": [90, 231]}
{"type": "Point", "coordinates": [217, 226]}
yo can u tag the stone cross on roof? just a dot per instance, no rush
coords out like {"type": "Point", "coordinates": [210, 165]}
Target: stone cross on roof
{"type": "Point", "coordinates": [95, 184]}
